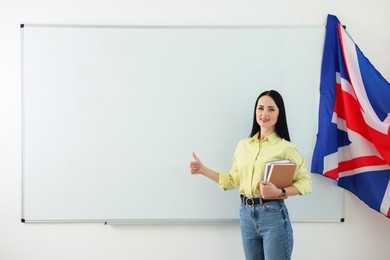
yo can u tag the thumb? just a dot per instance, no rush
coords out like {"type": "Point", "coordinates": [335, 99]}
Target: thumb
{"type": "Point", "coordinates": [195, 157]}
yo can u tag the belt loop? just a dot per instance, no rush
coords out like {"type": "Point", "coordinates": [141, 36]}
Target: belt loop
{"type": "Point", "coordinates": [261, 201]}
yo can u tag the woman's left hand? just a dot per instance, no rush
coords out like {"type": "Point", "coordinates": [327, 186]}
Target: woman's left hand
{"type": "Point", "coordinates": [268, 190]}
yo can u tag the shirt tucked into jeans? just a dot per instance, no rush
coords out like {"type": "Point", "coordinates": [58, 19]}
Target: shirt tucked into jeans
{"type": "Point", "coordinates": [265, 228]}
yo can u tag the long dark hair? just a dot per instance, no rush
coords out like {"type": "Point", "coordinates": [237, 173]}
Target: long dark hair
{"type": "Point", "coordinates": [281, 128]}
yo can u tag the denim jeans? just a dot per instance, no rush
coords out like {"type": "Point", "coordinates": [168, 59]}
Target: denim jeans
{"type": "Point", "coordinates": [266, 231]}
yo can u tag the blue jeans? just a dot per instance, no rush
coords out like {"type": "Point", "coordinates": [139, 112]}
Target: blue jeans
{"type": "Point", "coordinates": [266, 231]}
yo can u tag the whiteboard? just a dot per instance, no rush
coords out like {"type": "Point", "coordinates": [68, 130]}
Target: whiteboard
{"type": "Point", "coordinates": [111, 115]}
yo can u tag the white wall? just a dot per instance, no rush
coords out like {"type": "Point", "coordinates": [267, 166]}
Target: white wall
{"type": "Point", "coordinates": [364, 235]}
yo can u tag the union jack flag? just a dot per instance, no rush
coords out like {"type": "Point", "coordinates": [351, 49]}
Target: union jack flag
{"type": "Point", "coordinates": [353, 140]}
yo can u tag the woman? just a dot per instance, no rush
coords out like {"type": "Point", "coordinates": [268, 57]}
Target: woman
{"type": "Point", "coordinates": [265, 224]}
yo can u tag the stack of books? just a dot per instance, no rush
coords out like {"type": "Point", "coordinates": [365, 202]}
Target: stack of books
{"type": "Point", "coordinates": [280, 172]}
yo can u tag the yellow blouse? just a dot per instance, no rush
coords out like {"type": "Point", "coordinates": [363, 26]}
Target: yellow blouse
{"type": "Point", "coordinates": [248, 164]}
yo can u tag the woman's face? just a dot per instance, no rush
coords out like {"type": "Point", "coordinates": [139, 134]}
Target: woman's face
{"type": "Point", "coordinates": [267, 113]}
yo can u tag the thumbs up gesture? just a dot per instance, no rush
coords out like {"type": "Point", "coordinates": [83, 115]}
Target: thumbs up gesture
{"type": "Point", "coordinates": [196, 166]}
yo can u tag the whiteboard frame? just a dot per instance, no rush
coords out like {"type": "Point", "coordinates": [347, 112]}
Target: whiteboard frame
{"type": "Point", "coordinates": [142, 221]}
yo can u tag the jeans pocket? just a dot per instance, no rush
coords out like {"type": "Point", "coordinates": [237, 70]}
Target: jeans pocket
{"type": "Point", "coordinates": [273, 206]}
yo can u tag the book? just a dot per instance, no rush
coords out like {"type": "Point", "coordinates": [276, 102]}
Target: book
{"type": "Point", "coordinates": [280, 172]}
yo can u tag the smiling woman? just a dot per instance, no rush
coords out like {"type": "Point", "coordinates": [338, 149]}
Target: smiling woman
{"type": "Point", "coordinates": [265, 223]}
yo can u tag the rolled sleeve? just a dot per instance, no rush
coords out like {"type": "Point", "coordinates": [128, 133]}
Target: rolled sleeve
{"type": "Point", "coordinates": [302, 179]}
{"type": "Point", "coordinates": [229, 181]}
{"type": "Point", "coordinates": [226, 182]}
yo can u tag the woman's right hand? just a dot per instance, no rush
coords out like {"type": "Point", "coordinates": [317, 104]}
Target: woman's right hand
{"type": "Point", "coordinates": [196, 166]}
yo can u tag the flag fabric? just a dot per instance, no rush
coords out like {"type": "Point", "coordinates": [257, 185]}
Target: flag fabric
{"type": "Point", "coordinates": [353, 140]}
